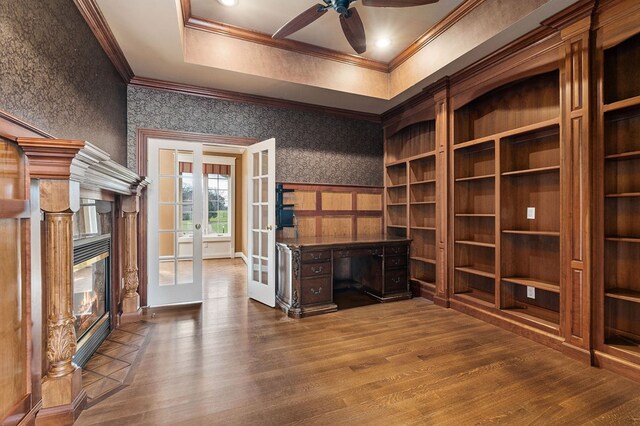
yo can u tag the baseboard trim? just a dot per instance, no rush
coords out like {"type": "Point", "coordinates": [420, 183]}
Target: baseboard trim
{"type": "Point", "coordinates": [242, 256]}
{"type": "Point", "coordinates": [62, 415]}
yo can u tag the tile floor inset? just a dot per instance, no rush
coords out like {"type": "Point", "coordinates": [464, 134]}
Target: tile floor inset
{"type": "Point", "coordinates": [108, 369]}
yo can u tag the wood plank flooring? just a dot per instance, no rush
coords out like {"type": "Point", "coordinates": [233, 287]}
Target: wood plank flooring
{"type": "Point", "coordinates": [233, 361]}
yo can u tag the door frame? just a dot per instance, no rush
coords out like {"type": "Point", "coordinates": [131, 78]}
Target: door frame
{"type": "Point", "coordinates": [142, 143]}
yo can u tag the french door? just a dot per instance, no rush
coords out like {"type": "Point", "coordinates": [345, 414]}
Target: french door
{"type": "Point", "coordinates": [175, 218]}
{"type": "Point", "coordinates": [261, 275]}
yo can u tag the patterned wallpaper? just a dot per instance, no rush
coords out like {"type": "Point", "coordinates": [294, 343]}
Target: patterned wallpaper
{"type": "Point", "coordinates": [55, 76]}
{"type": "Point", "coordinates": [310, 148]}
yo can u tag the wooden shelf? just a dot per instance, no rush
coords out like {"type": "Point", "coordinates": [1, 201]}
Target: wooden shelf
{"type": "Point", "coordinates": [474, 271]}
{"type": "Point", "coordinates": [423, 259]}
{"type": "Point", "coordinates": [396, 204]}
{"type": "Point", "coordinates": [424, 228]}
{"type": "Point", "coordinates": [474, 142]}
{"type": "Point", "coordinates": [483, 297]}
{"type": "Point", "coordinates": [421, 156]}
{"type": "Point", "coordinates": [475, 243]}
{"type": "Point", "coordinates": [418, 203]}
{"type": "Point", "coordinates": [630, 155]}
{"type": "Point", "coordinates": [524, 129]}
{"type": "Point", "coordinates": [623, 239]}
{"type": "Point", "coordinates": [623, 294]}
{"type": "Point", "coordinates": [422, 182]}
{"type": "Point", "coordinates": [397, 226]}
{"type": "Point", "coordinates": [624, 344]}
{"type": "Point", "coordinates": [625, 103]}
{"type": "Point", "coordinates": [475, 215]}
{"type": "Point", "coordinates": [530, 282]}
{"type": "Point", "coordinates": [474, 178]}
{"type": "Point", "coordinates": [538, 233]}
{"type": "Point", "coordinates": [396, 163]}
{"type": "Point", "coordinates": [623, 195]}
{"type": "Point", "coordinates": [543, 317]}
{"type": "Point", "coordinates": [430, 285]}
{"type": "Point", "coordinates": [400, 185]}
{"type": "Point", "coordinates": [538, 170]}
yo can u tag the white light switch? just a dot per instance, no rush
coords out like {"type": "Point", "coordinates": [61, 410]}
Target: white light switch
{"type": "Point", "coordinates": [531, 213]}
{"type": "Point", "coordinates": [531, 292]}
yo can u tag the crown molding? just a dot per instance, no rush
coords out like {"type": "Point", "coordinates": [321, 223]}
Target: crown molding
{"type": "Point", "coordinates": [93, 17]}
{"type": "Point", "coordinates": [227, 30]}
{"type": "Point", "coordinates": [570, 15]}
{"type": "Point", "coordinates": [244, 34]}
{"type": "Point", "coordinates": [252, 99]}
{"type": "Point", "coordinates": [434, 32]}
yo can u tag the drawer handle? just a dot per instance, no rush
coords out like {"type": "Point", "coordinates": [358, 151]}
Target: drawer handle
{"type": "Point", "coordinates": [395, 262]}
{"type": "Point", "coordinates": [395, 250]}
{"type": "Point", "coordinates": [374, 252]}
{"type": "Point", "coordinates": [316, 256]}
{"type": "Point", "coordinates": [316, 292]}
{"type": "Point", "coordinates": [316, 270]}
{"type": "Point", "coordinates": [396, 280]}
{"type": "Point", "coordinates": [343, 253]}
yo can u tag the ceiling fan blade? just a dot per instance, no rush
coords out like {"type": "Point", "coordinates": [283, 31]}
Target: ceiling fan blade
{"type": "Point", "coordinates": [301, 21]}
{"type": "Point", "coordinates": [354, 30]}
{"type": "Point", "coordinates": [397, 3]}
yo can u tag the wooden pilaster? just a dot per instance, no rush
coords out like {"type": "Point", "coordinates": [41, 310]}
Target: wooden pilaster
{"type": "Point", "coordinates": [131, 311]}
{"type": "Point", "coordinates": [441, 97]}
{"type": "Point", "coordinates": [576, 190]}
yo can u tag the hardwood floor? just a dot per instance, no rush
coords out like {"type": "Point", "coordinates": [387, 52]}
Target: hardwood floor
{"type": "Point", "coordinates": [234, 361]}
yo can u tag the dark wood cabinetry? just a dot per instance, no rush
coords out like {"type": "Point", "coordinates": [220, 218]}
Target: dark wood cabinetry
{"type": "Point", "coordinates": [311, 269]}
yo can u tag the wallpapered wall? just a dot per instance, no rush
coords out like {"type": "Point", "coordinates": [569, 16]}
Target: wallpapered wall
{"type": "Point", "coordinates": [310, 148]}
{"type": "Point", "coordinates": [55, 76]}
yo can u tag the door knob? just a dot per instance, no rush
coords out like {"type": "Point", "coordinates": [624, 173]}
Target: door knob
{"type": "Point", "coordinates": [269, 227]}
{"type": "Point", "coordinates": [197, 226]}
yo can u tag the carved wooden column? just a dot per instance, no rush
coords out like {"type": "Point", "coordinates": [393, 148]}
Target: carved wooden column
{"type": "Point", "coordinates": [576, 190]}
{"type": "Point", "coordinates": [131, 311]}
{"type": "Point", "coordinates": [50, 162]}
{"type": "Point", "coordinates": [62, 386]}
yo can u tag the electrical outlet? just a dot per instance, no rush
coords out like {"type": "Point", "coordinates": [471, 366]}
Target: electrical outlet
{"type": "Point", "coordinates": [531, 213]}
{"type": "Point", "coordinates": [531, 292]}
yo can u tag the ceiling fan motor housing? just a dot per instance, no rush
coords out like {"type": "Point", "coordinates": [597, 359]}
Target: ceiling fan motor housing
{"type": "Point", "coordinates": [341, 6]}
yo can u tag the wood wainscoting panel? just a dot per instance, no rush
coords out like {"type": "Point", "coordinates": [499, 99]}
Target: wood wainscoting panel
{"type": "Point", "coordinates": [303, 200]}
{"type": "Point", "coordinates": [368, 202]}
{"type": "Point", "coordinates": [369, 225]}
{"type": "Point", "coordinates": [337, 226]}
{"type": "Point", "coordinates": [334, 210]}
{"type": "Point", "coordinates": [337, 201]}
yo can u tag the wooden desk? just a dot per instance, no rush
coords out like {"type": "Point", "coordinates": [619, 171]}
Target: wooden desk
{"type": "Point", "coordinates": [309, 269]}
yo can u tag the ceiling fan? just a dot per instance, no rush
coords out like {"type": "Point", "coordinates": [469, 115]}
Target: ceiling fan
{"type": "Point", "coordinates": [349, 18]}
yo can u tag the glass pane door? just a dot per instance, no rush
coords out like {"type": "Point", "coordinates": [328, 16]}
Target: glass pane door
{"type": "Point", "coordinates": [176, 199]}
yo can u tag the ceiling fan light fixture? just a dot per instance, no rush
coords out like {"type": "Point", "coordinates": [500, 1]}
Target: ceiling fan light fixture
{"type": "Point", "coordinates": [383, 42]}
{"type": "Point", "coordinates": [228, 3]}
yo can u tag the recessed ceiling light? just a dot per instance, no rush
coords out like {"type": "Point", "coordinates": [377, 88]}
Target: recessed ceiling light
{"type": "Point", "coordinates": [228, 3]}
{"type": "Point", "coordinates": [383, 42]}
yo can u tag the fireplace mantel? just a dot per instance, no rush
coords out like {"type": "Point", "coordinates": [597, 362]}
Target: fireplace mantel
{"type": "Point", "coordinates": [58, 173]}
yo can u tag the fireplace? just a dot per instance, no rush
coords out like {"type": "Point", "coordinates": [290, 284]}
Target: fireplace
{"type": "Point", "coordinates": [91, 276]}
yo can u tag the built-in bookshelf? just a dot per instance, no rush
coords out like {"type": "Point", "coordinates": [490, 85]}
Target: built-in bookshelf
{"type": "Point", "coordinates": [619, 115]}
{"type": "Point", "coordinates": [410, 159]}
{"type": "Point", "coordinates": [506, 218]}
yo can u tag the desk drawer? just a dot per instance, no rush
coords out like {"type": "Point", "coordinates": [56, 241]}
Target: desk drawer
{"type": "Point", "coordinates": [367, 251]}
{"type": "Point", "coordinates": [316, 290]}
{"type": "Point", "coordinates": [392, 250]}
{"type": "Point", "coordinates": [316, 269]}
{"type": "Point", "coordinates": [313, 256]}
{"type": "Point", "coordinates": [395, 281]}
{"type": "Point", "coordinates": [395, 261]}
